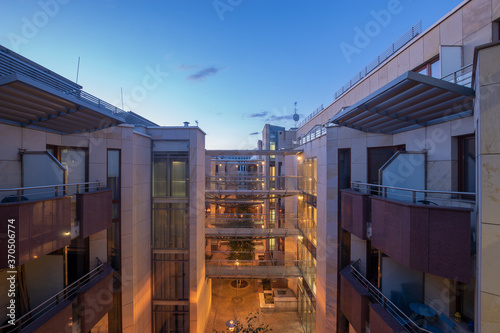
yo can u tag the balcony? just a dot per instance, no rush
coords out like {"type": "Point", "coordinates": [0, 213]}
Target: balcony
{"type": "Point", "coordinates": [43, 219]}
{"type": "Point", "coordinates": [362, 301]}
{"type": "Point", "coordinates": [428, 231]}
{"type": "Point", "coordinates": [90, 298]}
{"type": "Point", "coordinates": [355, 212]}
{"type": "Point", "coordinates": [353, 301]}
{"type": "Point", "coordinates": [94, 211]}
{"type": "Point", "coordinates": [252, 268]}
{"type": "Point", "coordinates": [252, 185]}
{"type": "Point", "coordinates": [251, 225]}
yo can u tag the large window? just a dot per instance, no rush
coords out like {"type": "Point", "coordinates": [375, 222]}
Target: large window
{"type": "Point", "coordinates": [170, 175]}
{"type": "Point", "coordinates": [170, 227]}
{"type": "Point", "coordinates": [170, 277]}
{"type": "Point", "coordinates": [170, 318]}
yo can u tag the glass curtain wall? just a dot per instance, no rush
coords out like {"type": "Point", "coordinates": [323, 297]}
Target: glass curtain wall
{"type": "Point", "coordinates": [306, 250]}
{"type": "Point", "coordinates": [307, 308]}
{"type": "Point", "coordinates": [308, 173]}
{"type": "Point", "coordinates": [170, 237]}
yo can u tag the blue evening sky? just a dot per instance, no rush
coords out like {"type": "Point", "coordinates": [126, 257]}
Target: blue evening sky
{"type": "Point", "coordinates": [232, 65]}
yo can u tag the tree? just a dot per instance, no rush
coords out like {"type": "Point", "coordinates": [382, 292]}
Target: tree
{"type": "Point", "coordinates": [250, 327]}
{"type": "Point", "coordinates": [242, 248]}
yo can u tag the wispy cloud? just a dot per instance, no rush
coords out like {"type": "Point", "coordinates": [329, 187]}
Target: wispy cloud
{"type": "Point", "coordinates": [279, 118]}
{"type": "Point", "coordinates": [202, 74]}
{"type": "Point", "coordinates": [254, 133]}
{"type": "Point", "coordinates": [185, 67]}
{"type": "Point", "coordinates": [261, 114]}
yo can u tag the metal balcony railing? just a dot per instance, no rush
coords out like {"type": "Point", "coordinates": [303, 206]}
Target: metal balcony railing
{"type": "Point", "coordinates": [252, 183]}
{"type": "Point", "coordinates": [462, 76]}
{"type": "Point", "coordinates": [260, 258]}
{"type": "Point", "coordinates": [10, 65]}
{"type": "Point", "coordinates": [47, 191]}
{"type": "Point", "coordinates": [424, 197]}
{"type": "Point", "coordinates": [230, 220]}
{"type": "Point", "coordinates": [253, 268]}
{"type": "Point", "coordinates": [308, 185]}
{"type": "Point", "coordinates": [376, 296]}
{"type": "Point", "coordinates": [67, 294]}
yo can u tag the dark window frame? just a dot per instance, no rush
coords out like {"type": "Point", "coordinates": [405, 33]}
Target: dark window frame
{"type": "Point", "coordinates": [427, 66]}
{"type": "Point", "coordinates": [461, 161]}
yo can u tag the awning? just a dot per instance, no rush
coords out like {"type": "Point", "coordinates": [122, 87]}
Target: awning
{"type": "Point", "coordinates": [29, 103]}
{"type": "Point", "coordinates": [411, 101]}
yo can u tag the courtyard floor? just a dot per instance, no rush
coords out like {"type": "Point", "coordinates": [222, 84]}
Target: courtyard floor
{"type": "Point", "coordinates": [227, 305]}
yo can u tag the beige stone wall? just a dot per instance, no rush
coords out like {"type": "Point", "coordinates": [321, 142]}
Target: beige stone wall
{"type": "Point", "coordinates": [200, 289]}
{"type": "Point", "coordinates": [469, 25]}
{"type": "Point", "coordinates": [487, 115]}
{"type": "Point", "coordinates": [135, 149]}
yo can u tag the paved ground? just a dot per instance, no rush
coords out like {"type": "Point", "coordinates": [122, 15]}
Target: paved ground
{"type": "Point", "coordinates": [225, 307]}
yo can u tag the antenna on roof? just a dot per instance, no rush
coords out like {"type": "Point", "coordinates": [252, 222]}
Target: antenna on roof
{"type": "Point", "coordinates": [77, 69]}
{"type": "Point", "coordinates": [296, 117]}
{"type": "Point", "coordinates": [121, 88]}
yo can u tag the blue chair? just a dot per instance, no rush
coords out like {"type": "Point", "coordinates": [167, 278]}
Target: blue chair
{"type": "Point", "coordinates": [442, 319]}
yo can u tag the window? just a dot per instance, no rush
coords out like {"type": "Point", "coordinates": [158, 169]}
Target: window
{"type": "Point", "coordinates": [344, 168]}
{"type": "Point", "coordinates": [377, 157]}
{"type": "Point", "coordinates": [170, 175]}
{"type": "Point", "coordinates": [432, 68]}
{"type": "Point", "coordinates": [75, 160]}
{"type": "Point", "coordinates": [272, 244]}
{"type": "Point", "coordinates": [114, 238]}
{"type": "Point", "coordinates": [170, 226]}
{"type": "Point", "coordinates": [467, 164]}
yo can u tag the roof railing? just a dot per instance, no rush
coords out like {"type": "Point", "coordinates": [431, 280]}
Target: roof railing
{"type": "Point", "coordinates": [393, 48]}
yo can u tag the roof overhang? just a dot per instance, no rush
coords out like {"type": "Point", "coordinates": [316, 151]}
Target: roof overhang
{"type": "Point", "coordinates": [411, 101]}
{"type": "Point", "coordinates": [29, 103]}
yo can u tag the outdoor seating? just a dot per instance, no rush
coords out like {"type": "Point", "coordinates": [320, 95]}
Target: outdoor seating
{"type": "Point", "coordinates": [443, 322]}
